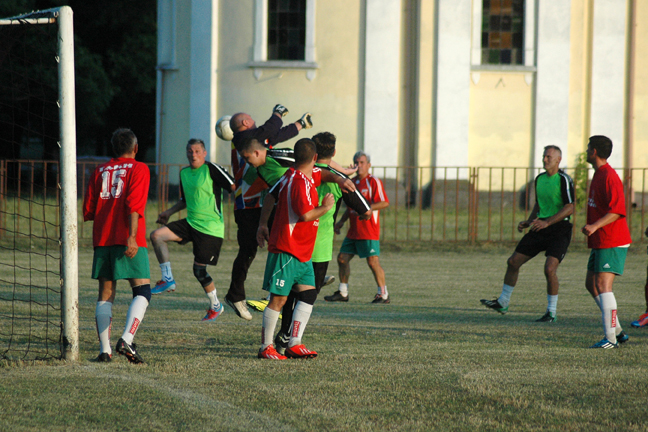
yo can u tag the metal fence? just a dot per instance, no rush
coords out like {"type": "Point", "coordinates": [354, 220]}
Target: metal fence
{"type": "Point", "coordinates": [442, 204]}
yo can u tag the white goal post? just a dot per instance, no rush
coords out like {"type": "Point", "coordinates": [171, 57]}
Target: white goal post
{"type": "Point", "coordinates": [63, 16]}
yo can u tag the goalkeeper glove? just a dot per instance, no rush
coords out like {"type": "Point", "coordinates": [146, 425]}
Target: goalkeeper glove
{"type": "Point", "coordinates": [306, 122]}
{"type": "Point", "coordinates": [280, 109]}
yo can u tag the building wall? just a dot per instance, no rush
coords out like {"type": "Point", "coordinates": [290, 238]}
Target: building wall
{"type": "Point", "coordinates": [367, 76]}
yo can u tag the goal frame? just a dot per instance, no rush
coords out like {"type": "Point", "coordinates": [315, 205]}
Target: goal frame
{"type": "Point", "coordinates": [63, 16]}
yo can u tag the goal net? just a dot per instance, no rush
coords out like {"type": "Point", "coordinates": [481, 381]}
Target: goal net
{"type": "Point", "coordinates": [38, 304]}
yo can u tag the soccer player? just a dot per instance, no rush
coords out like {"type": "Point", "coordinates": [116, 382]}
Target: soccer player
{"type": "Point", "coordinates": [250, 190]}
{"type": "Point", "coordinates": [202, 184]}
{"type": "Point", "coordinates": [115, 200]}
{"type": "Point", "coordinates": [549, 230]}
{"type": "Point", "coordinates": [642, 321]}
{"type": "Point", "coordinates": [608, 236]}
{"type": "Point", "coordinates": [363, 237]}
{"type": "Point", "coordinates": [290, 246]}
{"type": "Point", "coordinates": [322, 252]}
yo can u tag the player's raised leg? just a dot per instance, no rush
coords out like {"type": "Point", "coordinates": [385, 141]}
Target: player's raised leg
{"type": "Point", "coordinates": [159, 239]}
{"type": "Point", "coordinates": [513, 265]}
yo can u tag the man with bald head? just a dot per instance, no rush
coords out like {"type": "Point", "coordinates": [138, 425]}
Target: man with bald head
{"type": "Point", "coordinates": [250, 190]}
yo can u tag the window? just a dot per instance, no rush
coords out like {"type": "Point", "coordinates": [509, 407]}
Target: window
{"type": "Point", "coordinates": [286, 29]}
{"type": "Point", "coordinates": [284, 36]}
{"type": "Point", "coordinates": [502, 35]}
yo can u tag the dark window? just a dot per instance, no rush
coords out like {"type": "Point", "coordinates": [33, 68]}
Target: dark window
{"type": "Point", "coordinates": [286, 29]}
{"type": "Point", "coordinates": [503, 32]}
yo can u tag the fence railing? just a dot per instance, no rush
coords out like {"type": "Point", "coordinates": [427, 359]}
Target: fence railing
{"type": "Point", "coordinates": [439, 204]}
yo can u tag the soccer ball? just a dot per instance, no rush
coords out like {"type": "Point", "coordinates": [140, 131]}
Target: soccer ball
{"type": "Point", "coordinates": [223, 129]}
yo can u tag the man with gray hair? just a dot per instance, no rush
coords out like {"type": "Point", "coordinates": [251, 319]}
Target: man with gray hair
{"type": "Point", "coordinates": [363, 237]}
{"type": "Point", "coordinates": [549, 230]}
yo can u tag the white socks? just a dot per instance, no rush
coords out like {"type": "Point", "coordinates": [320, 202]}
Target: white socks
{"type": "Point", "coordinates": [552, 303]}
{"type": "Point", "coordinates": [609, 315]}
{"type": "Point", "coordinates": [301, 315]}
{"type": "Point", "coordinates": [270, 318]}
{"type": "Point", "coordinates": [618, 328]}
{"type": "Point", "coordinates": [103, 318]}
{"type": "Point", "coordinates": [135, 315]}
{"type": "Point", "coordinates": [344, 289]}
{"type": "Point", "coordinates": [213, 300]}
{"type": "Point", "coordinates": [382, 291]}
{"type": "Point", "coordinates": [167, 276]}
{"type": "Point", "coordinates": [505, 297]}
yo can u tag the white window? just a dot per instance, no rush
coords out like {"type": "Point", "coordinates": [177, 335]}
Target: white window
{"type": "Point", "coordinates": [284, 36]}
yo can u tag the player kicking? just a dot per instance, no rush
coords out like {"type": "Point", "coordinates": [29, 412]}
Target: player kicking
{"type": "Point", "coordinates": [115, 201]}
{"type": "Point", "coordinates": [549, 230]}
{"type": "Point", "coordinates": [202, 185]}
{"type": "Point", "coordinates": [290, 246]}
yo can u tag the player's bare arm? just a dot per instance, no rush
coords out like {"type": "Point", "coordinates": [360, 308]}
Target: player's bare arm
{"type": "Point", "coordinates": [590, 229]}
{"type": "Point", "coordinates": [346, 171]}
{"type": "Point", "coordinates": [327, 204]}
{"type": "Point", "coordinates": [527, 223]}
{"type": "Point", "coordinates": [163, 217]}
{"type": "Point", "coordinates": [263, 233]}
{"type": "Point", "coordinates": [131, 241]}
{"type": "Point", "coordinates": [566, 211]}
{"type": "Point", "coordinates": [379, 205]}
{"type": "Point", "coordinates": [345, 184]}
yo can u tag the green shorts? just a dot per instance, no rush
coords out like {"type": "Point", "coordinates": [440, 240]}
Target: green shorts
{"type": "Point", "coordinates": [283, 271]}
{"type": "Point", "coordinates": [611, 260]}
{"type": "Point", "coordinates": [110, 263]}
{"type": "Point", "coordinates": [362, 248]}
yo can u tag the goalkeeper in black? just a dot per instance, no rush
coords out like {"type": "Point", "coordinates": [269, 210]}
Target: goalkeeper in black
{"type": "Point", "coordinates": [550, 230]}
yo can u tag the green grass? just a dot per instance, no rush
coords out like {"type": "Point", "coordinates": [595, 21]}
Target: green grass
{"type": "Point", "coordinates": [434, 359]}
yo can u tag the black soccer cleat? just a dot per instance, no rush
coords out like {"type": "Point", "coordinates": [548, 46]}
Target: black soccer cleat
{"type": "Point", "coordinates": [104, 358]}
{"type": "Point", "coordinates": [130, 351]}
{"type": "Point", "coordinates": [547, 317]}
{"type": "Point", "coordinates": [494, 304]}
{"type": "Point", "coordinates": [622, 337]}
{"type": "Point", "coordinates": [380, 299]}
{"type": "Point", "coordinates": [336, 296]}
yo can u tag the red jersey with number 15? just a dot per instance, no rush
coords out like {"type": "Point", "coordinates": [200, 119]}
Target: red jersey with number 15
{"type": "Point", "coordinates": [297, 197]}
{"type": "Point", "coordinates": [372, 189]}
{"type": "Point", "coordinates": [117, 189]}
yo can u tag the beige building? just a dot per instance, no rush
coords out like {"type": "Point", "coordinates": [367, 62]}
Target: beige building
{"type": "Point", "coordinates": [412, 82]}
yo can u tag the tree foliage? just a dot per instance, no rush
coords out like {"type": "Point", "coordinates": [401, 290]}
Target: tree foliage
{"type": "Point", "coordinates": [115, 56]}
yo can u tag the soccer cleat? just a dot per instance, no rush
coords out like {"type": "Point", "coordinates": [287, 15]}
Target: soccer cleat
{"type": "Point", "coordinates": [328, 280]}
{"type": "Point", "coordinates": [213, 314]}
{"type": "Point", "coordinates": [258, 305]}
{"type": "Point", "coordinates": [494, 304]}
{"type": "Point", "coordinates": [270, 353]}
{"type": "Point", "coordinates": [547, 317]}
{"type": "Point", "coordinates": [622, 338]}
{"type": "Point", "coordinates": [641, 322]}
{"type": "Point", "coordinates": [239, 308]}
{"type": "Point", "coordinates": [300, 352]}
{"type": "Point", "coordinates": [380, 299]}
{"type": "Point", "coordinates": [336, 296]}
{"type": "Point", "coordinates": [605, 344]}
{"type": "Point", "coordinates": [104, 358]}
{"type": "Point", "coordinates": [130, 351]}
{"type": "Point", "coordinates": [163, 286]}
{"type": "Point", "coordinates": [281, 342]}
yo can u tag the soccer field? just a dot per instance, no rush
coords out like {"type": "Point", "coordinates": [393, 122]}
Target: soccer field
{"type": "Point", "coordinates": [433, 359]}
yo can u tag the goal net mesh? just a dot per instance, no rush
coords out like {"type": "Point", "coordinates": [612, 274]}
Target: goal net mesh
{"type": "Point", "coordinates": [30, 251]}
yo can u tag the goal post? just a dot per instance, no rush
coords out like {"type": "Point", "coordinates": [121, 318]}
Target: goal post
{"type": "Point", "coordinates": [68, 229]}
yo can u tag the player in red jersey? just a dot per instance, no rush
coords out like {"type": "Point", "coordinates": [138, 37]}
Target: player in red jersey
{"type": "Point", "coordinates": [608, 236]}
{"type": "Point", "coordinates": [290, 246]}
{"type": "Point", "coordinates": [115, 200]}
{"type": "Point", "coordinates": [363, 237]}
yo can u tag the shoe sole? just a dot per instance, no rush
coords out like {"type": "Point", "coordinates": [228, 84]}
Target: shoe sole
{"type": "Point", "coordinates": [130, 357]}
{"type": "Point", "coordinates": [163, 291]}
{"type": "Point", "coordinates": [214, 319]}
{"type": "Point", "coordinates": [297, 357]}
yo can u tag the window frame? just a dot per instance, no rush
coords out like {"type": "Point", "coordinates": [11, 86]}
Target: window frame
{"type": "Point", "coordinates": [260, 60]}
{"type": "Point", "coordinates": [529, 66]}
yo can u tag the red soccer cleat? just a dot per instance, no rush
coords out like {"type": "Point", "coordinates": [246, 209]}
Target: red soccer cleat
{"type": "Point", "coordinates": [300, 352]}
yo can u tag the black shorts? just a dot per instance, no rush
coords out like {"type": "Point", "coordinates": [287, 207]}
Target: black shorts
{"type": "Point", "coordinates": [206, 248]}
{"type": "Point", "coordinates": [554, 240]}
